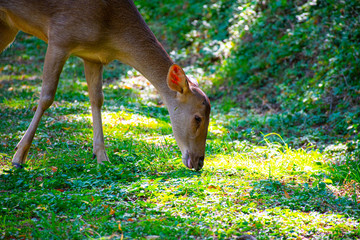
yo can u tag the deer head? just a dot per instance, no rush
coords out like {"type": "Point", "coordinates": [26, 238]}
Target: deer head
{"type": "Point", "coordinates": [189, 114]}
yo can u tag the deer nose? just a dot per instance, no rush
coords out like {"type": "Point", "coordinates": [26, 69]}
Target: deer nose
{"type": "Point", "coordinates": [200, 163]}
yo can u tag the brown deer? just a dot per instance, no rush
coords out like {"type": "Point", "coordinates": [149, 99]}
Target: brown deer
{"type": "Point", "coordinates": [99, 31]}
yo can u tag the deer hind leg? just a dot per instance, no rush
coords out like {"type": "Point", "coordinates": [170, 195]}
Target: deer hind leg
{"type": "Point", "coordinates": [93, 74]}
{"type": "Point", "coordinates": [54, 62]}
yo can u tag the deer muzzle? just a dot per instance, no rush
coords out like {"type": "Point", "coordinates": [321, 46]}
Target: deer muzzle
{"type": "Point", "coordinates": [192, 161]}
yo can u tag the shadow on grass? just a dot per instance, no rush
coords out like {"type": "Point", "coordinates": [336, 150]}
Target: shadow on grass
{"type": "Point", "coordinates": [306, 197]}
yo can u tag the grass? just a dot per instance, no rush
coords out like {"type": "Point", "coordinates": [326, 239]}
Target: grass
{"type": "Point", "coordinates": [271, 189]}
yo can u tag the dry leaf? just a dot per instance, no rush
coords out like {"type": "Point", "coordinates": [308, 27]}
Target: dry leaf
{"type": "Point", "coordinates": [92, 199]}
{"type": "Point", "coordinates": [112, 211]}
{"type": "Point", "coordinates": [286, 194]}
{"type": "Point", "coordinates": [54, 169]}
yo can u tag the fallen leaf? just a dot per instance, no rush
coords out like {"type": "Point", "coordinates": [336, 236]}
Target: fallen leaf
{"type": "Point", "coordinates": [286, 194]}
{"type": "Point", "coordinates": [54, 169]}
{"type": "Point", "coordinates": [112, 211]}
{"type": "Point", "coordinates": [290, 167]}
{"type": "Point", "coordinates": [130, 220]}
{"type": "Point", "coordinates": [93, 226]}
{"type": "Point", "coordinates": [60, 190]}
{"type": "Point", "coordinates": [119, 226]}
{"type": "Point", "coordinates": [92, 199]}
{"type": "Point", "coordinates": [213, 188]}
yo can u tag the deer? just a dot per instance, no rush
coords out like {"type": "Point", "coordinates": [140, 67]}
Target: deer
{"type": "Point", "coordinates": [98, 32]}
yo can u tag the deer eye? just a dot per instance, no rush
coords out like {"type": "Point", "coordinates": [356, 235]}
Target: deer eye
{"type": "Point", "coordinates": [197, 119]}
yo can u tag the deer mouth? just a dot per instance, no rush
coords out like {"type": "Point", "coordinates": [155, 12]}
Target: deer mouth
{"type": "Point", "coordinates": [196, 163]}
{"type": "Point", "coordinates": [187, 160]}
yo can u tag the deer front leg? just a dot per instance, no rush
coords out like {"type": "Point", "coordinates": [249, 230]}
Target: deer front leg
{"type": "Point", "coordinates": [93, 74]}
{"type": "Point", "coordinates": [54, 62]}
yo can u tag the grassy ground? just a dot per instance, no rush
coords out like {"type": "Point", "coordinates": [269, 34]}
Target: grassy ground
{"type": "Point", "coordinates": [267, 188]}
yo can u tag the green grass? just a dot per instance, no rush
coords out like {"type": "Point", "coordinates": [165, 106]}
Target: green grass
{"type": "Point", "coordinates": [271, 189]}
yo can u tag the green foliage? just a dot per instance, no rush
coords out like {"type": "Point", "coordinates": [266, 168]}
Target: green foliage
{"type": "Point", "coordinates": [288, 67]}
{"type": "Point", "coordinates": [298, 57]}
{"type": "Point", "coordinates": [193, 31]}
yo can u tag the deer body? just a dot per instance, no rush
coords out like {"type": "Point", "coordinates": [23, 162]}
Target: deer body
{"type": "Point", "coordinates": [100, 31]}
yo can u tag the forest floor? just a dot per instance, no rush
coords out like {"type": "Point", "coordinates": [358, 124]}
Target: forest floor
{"type": "Point", "coordinates": [252, 184]}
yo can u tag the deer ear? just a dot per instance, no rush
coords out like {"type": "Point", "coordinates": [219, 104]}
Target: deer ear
{"type": "Point", "coordinates": [177, 80]}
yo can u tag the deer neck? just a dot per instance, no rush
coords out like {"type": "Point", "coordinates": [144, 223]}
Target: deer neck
{"type": "Point", "coordinates": [139, 48]}
{"type": "Point", "coordinates": [151, 60]}
{"type": "Point", "coordinates": [154, 66]}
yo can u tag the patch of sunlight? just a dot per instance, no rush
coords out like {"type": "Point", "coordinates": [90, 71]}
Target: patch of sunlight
{"type": "Point", "coordinates": [273, 160]}
{"type": "Point", "coordinates": [294, 161]}
{"type": "Point", "coordinates": [113, 119]}
{"type": "Point", "coordinates": [132, 124]}
{"type": "Point", "coordinates": [77, 117]}
{"type": "Point", "coordinates": [159, 141]}
{"type": "Point", "coordinates": [283, 159]}
{"type": "Point", "coordinates": [217, 129]}
{"type": "Point", "coordinates": [5, 77]}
